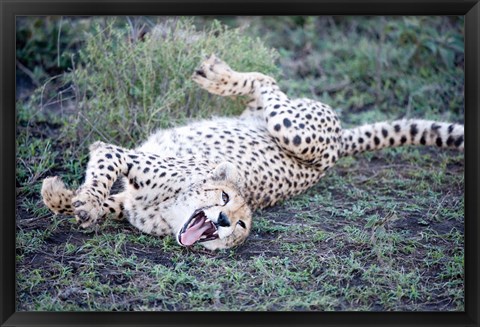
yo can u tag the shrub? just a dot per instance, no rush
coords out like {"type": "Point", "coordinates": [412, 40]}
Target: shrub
{"type": "Point", "coordinates": [130, 86]}
{"type": "Point", "coordinates": [45, 45]}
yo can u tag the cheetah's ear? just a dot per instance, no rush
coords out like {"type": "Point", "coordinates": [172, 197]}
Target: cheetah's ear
{"type": "Point", "coordinates": [225, 172]}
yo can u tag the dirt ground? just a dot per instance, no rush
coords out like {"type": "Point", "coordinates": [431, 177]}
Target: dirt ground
{"type": "Point", "coordinates": [418, 245]}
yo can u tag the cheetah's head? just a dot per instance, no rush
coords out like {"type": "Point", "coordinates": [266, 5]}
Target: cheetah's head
{"type": "Point", "coordinates": [218, 216]}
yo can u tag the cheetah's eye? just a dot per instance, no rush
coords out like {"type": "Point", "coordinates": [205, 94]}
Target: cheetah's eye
{"type": "Point", "coordinates": [225, 197]}
{"type": "Point", "coordinates": [242, 224]}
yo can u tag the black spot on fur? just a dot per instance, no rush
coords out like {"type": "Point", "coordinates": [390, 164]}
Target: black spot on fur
{"type": "Point", "coordinates": [439, 141]}
{"type": "Point", "coordinates": [376, 140]}
{"type": "Point", "coordinates": [450, 140]}
{"type": "Point", "coordinates": [403, 140]}
{"type": "Point", "coordinates": [384, 132]}
{"type": "Point", "coordinates": [413, 130]}
{"type": "Point", "coordinates": [397, 128]}
{"type": "Point", "coordinates": [459, 141]}
{"type": "Point", "coordinates": [287, 123]}
{"type": "Point", "coordinates": [297, 140]}
{"type": "Point", "coordinates": [423, 140]}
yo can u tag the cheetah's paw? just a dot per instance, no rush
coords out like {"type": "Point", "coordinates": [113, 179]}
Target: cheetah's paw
{"type": "Point", "coordinates": [56, 196]}
{"type": "Point", "coordinates": [87, 209]}
{"type": "Point", "coordinates": [212, 74]}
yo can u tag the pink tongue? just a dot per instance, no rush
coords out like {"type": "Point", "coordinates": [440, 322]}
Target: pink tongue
{"type": "Point", "coordinates": [193, 234]}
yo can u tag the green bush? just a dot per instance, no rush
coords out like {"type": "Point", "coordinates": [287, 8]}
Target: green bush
{"type": "Point", "coordinates": [131, 86]}
{"type": "Point", "coordinates": [46, 46]}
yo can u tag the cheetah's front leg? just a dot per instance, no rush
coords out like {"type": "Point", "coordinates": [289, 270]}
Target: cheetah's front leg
{"type": "Point", "coordinates": [92, 200]}
{"type": "Point", "coordinates": [58, 198]}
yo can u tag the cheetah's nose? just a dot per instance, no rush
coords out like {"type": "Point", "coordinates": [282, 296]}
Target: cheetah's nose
{"type": "Point", "coordinates": [223, 220]}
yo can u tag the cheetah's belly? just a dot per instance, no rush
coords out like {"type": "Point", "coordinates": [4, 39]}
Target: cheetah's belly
{"type": "Point", "coordinates": [270, 174]}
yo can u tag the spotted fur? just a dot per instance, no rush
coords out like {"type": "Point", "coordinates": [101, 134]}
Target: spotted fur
{"type": "Point", "coordinates": [228, 167]}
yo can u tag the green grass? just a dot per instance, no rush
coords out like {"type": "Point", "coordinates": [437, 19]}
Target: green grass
{"type": "Point", "coordinates": [382, 231]}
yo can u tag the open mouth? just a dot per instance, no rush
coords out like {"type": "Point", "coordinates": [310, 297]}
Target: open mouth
{"type": "Point", "coordinates": [197, 229]}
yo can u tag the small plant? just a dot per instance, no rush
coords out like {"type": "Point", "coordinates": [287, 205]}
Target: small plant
{"type": "Point", "coordinates": [45, 46]}
{"type": "Point", "coordinates": [132, 86]}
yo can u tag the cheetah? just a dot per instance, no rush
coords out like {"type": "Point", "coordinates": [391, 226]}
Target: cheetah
{"type": "Point", "coordinates": [201, 182]}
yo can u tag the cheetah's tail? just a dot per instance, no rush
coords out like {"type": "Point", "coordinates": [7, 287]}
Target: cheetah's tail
{"type": "Point", "coordinates": [401, 132]}
{"type": "Point", "coordinates": [56, 196]}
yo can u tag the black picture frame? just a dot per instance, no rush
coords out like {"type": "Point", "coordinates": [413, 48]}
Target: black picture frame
{"type": "Point", "coordinates": [10, 9]}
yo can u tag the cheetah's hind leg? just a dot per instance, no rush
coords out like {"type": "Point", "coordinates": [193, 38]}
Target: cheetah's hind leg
{"type": "Point", "coordinates": [215, 76]}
